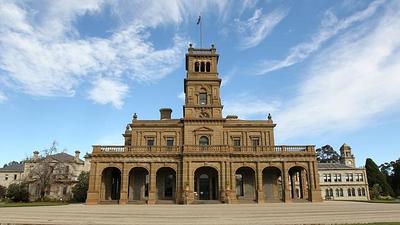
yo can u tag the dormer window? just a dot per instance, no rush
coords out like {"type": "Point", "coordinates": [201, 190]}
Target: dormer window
{"type": "Point", "coordinates": [203, 98]}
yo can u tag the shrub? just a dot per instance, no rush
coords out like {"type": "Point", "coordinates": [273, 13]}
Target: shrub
{"type": "Point", "coordinates": [18, 193]}
{"type": "Point", "coordinates": [3, 191]}
{"type": "Point", "coordinates": [79, 191]}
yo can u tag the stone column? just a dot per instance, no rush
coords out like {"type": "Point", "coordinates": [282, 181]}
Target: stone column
{"type": "Point", "coordinates": [222, 184]}
{"type": "Point", "coordinates": [233, 183]}
{"type": "Point", "coordinates": [124, 185]}
{"type": "Point", "coordinates": [315, 192]}
{"type": "Point", "coordinates": [152, 185]}
{"type": "Point", "coordinates": [285, 176]}
{"type": "Point", "coordinates": [93, 195]}
{"type": "Point", "coordinates": [260, 191]}
{"type": "Point", "coordinates": [304, 183]}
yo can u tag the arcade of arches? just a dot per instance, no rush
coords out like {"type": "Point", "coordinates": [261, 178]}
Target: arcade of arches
{"type": "Point", "coordinates": [203, 156]}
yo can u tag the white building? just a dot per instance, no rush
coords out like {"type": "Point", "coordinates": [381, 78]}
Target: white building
{"type": "Point", "coordinates": [343, 181]}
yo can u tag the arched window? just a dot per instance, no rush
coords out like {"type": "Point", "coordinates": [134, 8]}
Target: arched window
{"type": "Point", "coordinates": [326, 192]}
{"type": "Point", "coordinates": [363, 191]}
{"type": "Point", "coordinates": [208, 66]}
{"type": "Point", "coordinates": [341, 192]}
{"type": "Point", "coordinates": [203, 141]}
{"type": "Point", "coordinates": [331, 192]}
{"type": "Point", "coordinates": [203, 67]}
{"type": "Point", "coordinates": [359, 191]}
{"type": "Point", "coordinates": [203, 98]}
{"type": "Point", "coordinates": [353, 192]}
{"type": "Point", "coordinates": [196, 67]}
{"type": "Point", "coordinates": [337, 192]}
{"type": "Point", "coordinates": [348, 192]}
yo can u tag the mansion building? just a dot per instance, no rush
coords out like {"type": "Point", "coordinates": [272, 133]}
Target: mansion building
{"type": "Point", "coordinates": [343, 181]}
{"type": "Point", "coordinates": [202, 157]}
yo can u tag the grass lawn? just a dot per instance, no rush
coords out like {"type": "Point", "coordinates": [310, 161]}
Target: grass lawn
{"type": "Point", "coordinates": [396, 201]}
{"type": "Point", "coordinates": [30, 204]}
{"type": "Point", "coordinates": [392, 223]}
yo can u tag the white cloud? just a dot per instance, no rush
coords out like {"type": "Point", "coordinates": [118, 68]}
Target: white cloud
{"type": "Point", "coordinates": [181, 96]}
{"type": "Point", "coordinates": [41, 53]}
{"type": "Point", "coordinates": [245, 106]}
{"type": "Point", "coordinates": [3, 98]}
{"type": "Point", "coordinates": [255, 29]}
{"type": "Point", "coordinates": [351, 83]}
{"type": "Point", "coordinates": [330, 27]}
{"type": "Point", "coordinates": [107, 91]}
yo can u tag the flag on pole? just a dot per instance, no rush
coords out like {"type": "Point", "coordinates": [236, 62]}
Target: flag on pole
{"type": "Point", "coordinates": [198, 20]}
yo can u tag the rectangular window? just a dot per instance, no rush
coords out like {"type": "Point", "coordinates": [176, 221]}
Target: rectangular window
{"type": "Point", "coordinates": [359, 177]}
{"type": "Point", "coordinates": [327, 178]}
{"type": "Point", "coordinates": [150, 142]}
{"type": "Point", "coordinates": [15, 176]}
{"type": "Point", "coordinates": [337, 177]}
{"type": "Point", "coordinates": [349, 177]}
{"type": "Point", "coordinates": [236, 142]}
{"type": "Point", "coordinates": [6, 178]}
{"type": "Point", "coordinates": [203, 98]}
{"type": "Point", "coordinates": [255, 142]}
{"type": "Point", "coordinates": [170, 142]}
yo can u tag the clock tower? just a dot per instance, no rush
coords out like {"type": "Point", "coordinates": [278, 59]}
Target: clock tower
{"type": "Point", "coordinates": [202, 84]}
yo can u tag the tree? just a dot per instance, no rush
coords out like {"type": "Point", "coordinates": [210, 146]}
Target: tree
{"type": "Point", "coordinates": [3, 191]}
{"type": "Point", "coordinates": [79, 191]}
{"type": "Point", "coordinates": [375, 191]}
{"type": "Point", "coordinates": [18, 192]}
{"type": "Point", "coordinates": [392, 173]}
{"type": "Point", "coordinates": [46, 171]}
{"type": "Point", "coordinates": [326, 154]}
{"type": "Point", "coordinates": [11, 163]}
{"type": "Point", "coordinates": [375, 176]}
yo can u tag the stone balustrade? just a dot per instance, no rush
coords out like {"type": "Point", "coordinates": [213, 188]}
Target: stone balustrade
{"type": "Point", "coordinates": [98, 149]}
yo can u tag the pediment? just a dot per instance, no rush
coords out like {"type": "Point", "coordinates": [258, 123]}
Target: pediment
{"type": "Point", "coordinates": [202, 129]}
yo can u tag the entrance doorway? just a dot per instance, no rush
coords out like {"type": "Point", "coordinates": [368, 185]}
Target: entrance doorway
{"type": "Point", "coordinates": [206, 183]}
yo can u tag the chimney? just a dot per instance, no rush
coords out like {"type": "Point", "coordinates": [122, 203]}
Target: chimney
{"type": "Point", "coordinates": [35, 155]}
{"type": "Point", "coordinates": [165, 113]}
{"type": "Point", "coordinates": [77, 153]}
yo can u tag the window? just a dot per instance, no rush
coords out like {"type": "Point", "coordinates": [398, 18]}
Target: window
{"type": "Point", "coordinates": [359, 191]}
{"type": "Point", "coordinates": [65, 189]}
{"type": "Point", "coordinates": [353, 192]}
{"type": "Point", "coordinates": [239, 185]}
{"type": "Point", "coordinates": [203, 141]}
{"type": "Point", "coordinates": [327, 178]}
{"type": "Point", "coordinates": [341, 192]}
{"type": "Point", "coordinates": [349, 177]}
{"type": "Point", "coordinates": [170, 142]}
{"type": "Point", "coordinates": [359, 177]}
{"type": "Point", "coordinates": [196, 67]}
{"type": "Point", "coordinates": [255, 142]}
{"type": "Point", "coordinates": [203, 98]}
{"type": "Point", "coordinates": [203, 67]}
{"type": "Point", "coordinates": [150, 142]}
{"type": "Point", "coordinates": [236, 142]}
{"type": "Point", "coordinates": [15, 176]}
{"type": "Point", "coordinates": [6, 178]}
{"type": "Point", "coordinates": [349, 192]}
{"type": "Point", "coordinates": [337, 177]}
{"type": "Point", "coordinates": [331, 192]}
{"type": "Point", "coordinates": [363, 191]}
{"type": "Point", "coordinates": [326, 192]}
{"type": "Point", "coordinates": [208, 66]}
{"type": "Point", "coordinates": [337, 192]}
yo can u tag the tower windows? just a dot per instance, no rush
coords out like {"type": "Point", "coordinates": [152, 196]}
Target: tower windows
{"type": "Point", "coordinates": [203, 67]}
{"type": "Point", "coordinates": [196, 67]}
{"type": "Point", "coordinates": [203, 98]}
{"type": "Point", "coordinates": [208, 66]}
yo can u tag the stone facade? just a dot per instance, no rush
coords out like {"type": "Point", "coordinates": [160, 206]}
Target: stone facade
{"type": "Point", "coordinates": [343, 181]}
{"type": "Point", "coordinates": [202, 157]}
{"type": "Point", "coordinates": [11, 174]}
{"type": "Point", "coordinates": [65, 171]}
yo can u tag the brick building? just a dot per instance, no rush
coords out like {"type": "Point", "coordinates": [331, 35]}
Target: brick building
{"type": "Point", "coordinates": [202, 157]}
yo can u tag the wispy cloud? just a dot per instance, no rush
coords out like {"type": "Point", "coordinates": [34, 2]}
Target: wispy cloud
{"type": "Point", "coordinates": [3, 98]}
{"type": "Point", "coordinates": [351, 83]}
{"type": "Point", "coordinates": [246, 106]}
{"type": "Point", "coordinates": [330, 27]}
{"type": "Point", "coordinates": [45, 56]}
{"type": "Point", "coordinates": [256, 28]}
{"type": "Point", "coordinates": [106, 91]}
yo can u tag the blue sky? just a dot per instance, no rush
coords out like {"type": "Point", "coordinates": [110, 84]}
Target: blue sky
{"type": "Point", "coordinates": [76, 71]}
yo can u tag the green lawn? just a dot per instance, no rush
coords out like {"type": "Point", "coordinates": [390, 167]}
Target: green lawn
{"type": "Point", "coordinates": [31, 204]}
{"type": "Point", "coordinates": [392, 223]}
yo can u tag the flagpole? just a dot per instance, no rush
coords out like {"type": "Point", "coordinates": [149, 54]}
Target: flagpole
{"type": "Point", "coordinates": [201, 32]}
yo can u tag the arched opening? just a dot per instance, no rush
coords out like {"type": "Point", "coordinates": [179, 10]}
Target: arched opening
{"type": "Point", "coordinates": [166, 183]}
{"type": "Point", "coordinates": [138, 188]}
{"type": "Point", "coordinates": [111, 184]}
{"type": "Point", "coordinates": [245, 183]}
{"type": "Point", "coordinates": [206, 183]}
{"type": "Point", "coordinates": [272, 184]}
{"type": "Point", "coordinates": [208, 66]}
{"type": "Point", "coordinates": [204, 141]}
{"type": "Point", "coordinates": [203, 67]}
{"type": "Point", "coordinates": [298, 183]}
{"type": "Point", "coordinates": [196, 67]}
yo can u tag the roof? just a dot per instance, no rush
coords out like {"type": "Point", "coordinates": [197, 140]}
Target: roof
{"type": "Point", "coordinates": [333, 166]}
{"type": "Point", "coordinates": [64, 157]}
{"type": "Point", "coordinates": [13, 168]}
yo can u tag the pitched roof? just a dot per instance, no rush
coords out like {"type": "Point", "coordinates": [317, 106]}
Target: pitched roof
{"type": "Point", "coordinates": [333, 166]}
{"type": "Point", "coordinates": [64, 157]}
{"type": "Point", "coordinates": [13, 168]}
